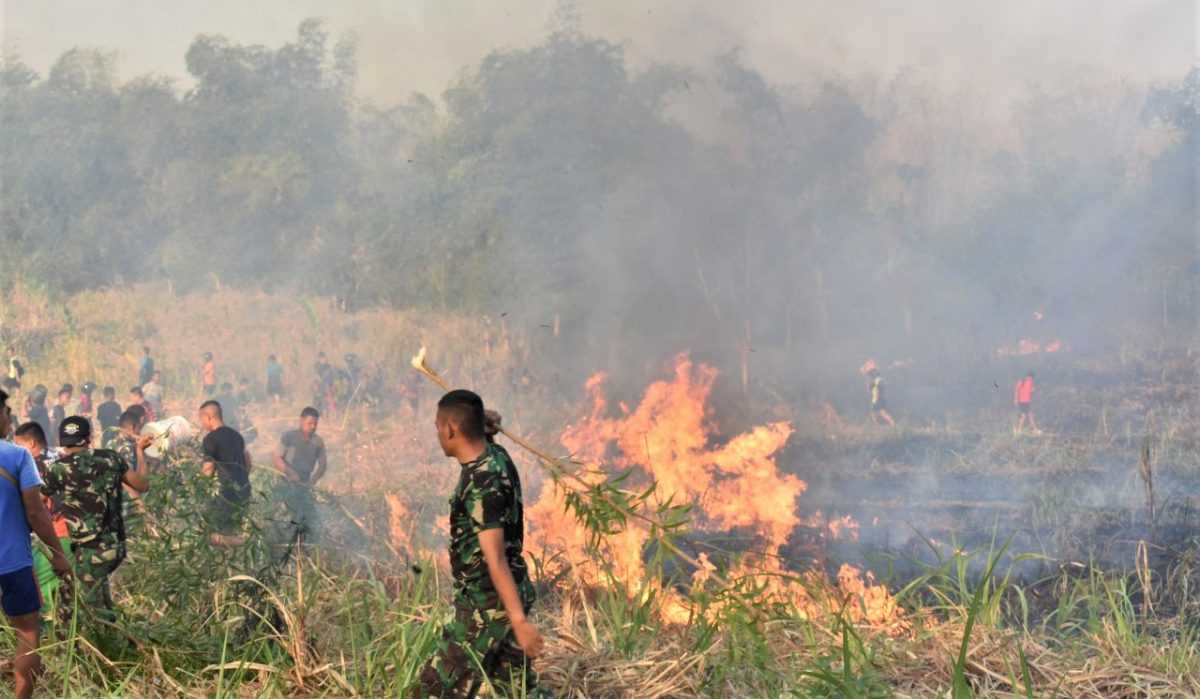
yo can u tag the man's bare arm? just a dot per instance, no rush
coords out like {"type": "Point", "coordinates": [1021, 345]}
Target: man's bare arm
{"type": "Point", "coordinates": [136, 477]}
{"type": "Point", "coordinates": [491, 542]}
{"type": "Point", "coordinates": [319, 471]}
{"type": "Point", "coordinates": [249, 462]}
{"type": "Point", "coordinates": [282, 466]}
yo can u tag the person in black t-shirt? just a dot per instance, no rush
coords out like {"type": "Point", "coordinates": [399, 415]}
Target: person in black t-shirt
{"type": "Point", "coordinates": [108, 413]}
{"type": "Point", "coordinates": [226, 458]}
{"type": "Point", "coordinates": [36, 411]}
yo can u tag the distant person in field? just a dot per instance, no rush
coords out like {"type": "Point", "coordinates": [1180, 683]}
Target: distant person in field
{"type": "Point", "coordinates": [226, 459]}
{"type": "Point", "coordinates": [152, 390]}
{"type": "Point", "coordinates": [145, 367]}
{"type": "Point", "coordinates": [324, 383]}
{"type": "Point", "coordinates": [274, 379]}
{"type": "Point", "coordinates": [84, 405]}
{"type": "Point", "coordinates": [22, 510]}
{"type": "Point", "coordinates": [108, 412]}
{"type": "Point", "coordinates": [137, 397]}
{"type": "Point", "coordinates": [492, 591]}
{"type": "Point", "coordinates": [301, 458]}
{"type": "Point", "coordinates": [15, 370]}
{"type": "Point", "coordinates": [208, 375]}
{"type": "Point", "coordinates": [31, 437]}
{"type": "Point", "coordinates": [59, 412]}
{"type": "Point", "coordinates": [879, 411]}
{"type": "Point", "coordinates": [88, 485]}
{"type": "Point", "coordinates": [35, 410]}
{"type": "Point", "coordinates": [1023, 400]}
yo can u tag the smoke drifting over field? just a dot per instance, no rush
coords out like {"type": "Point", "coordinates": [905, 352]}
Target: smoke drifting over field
{"type": "Point", "coordinates": [782, 191]}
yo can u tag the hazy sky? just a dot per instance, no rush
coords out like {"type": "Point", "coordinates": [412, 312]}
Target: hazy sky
{"type": "Point", "coordinates": [420, 44]}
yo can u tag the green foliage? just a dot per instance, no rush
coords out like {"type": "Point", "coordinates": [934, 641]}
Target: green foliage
{"type": "Point", "coordinates": [557, 172]}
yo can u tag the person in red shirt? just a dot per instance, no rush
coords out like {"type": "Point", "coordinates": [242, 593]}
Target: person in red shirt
{"type": "Point", "coordinates": [1023, 399]}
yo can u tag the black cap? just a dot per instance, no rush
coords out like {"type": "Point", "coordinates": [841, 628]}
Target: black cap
{"type": "Point", "coordinates": [75, 431]}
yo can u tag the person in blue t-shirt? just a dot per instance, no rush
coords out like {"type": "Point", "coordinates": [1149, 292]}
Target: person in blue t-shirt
{"type": "Point", "coordinates": [21, 511]}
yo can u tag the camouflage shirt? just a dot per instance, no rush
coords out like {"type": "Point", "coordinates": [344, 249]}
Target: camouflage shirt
{"type": "Point", "coordinates": [87, 488]}
{"type": "Point", "coordinates": [488, 496]}
{"type": "Point", "coordinates": [126, 448]}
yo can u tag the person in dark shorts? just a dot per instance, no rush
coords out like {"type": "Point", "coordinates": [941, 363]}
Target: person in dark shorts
{"type": "Point", "coordinates": [879, 411]}
{"type": "Point", "coordinates": [22, 510]}
{"type": "Point", "coordinates": [226, 458]}
{"type": "Point", "coordinates": [1023, 400]}
{"type": "Point", "coordinates": [32, 439]}
{"type": "Point", "coordinates": [302, 460]}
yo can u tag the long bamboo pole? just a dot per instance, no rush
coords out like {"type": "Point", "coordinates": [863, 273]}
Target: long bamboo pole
{"type": "Point", "coordinates": [564, 468]}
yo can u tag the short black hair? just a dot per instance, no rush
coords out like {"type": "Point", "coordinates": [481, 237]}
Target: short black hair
{"type": "Point", "coordinates": [310, 411]}
{"type": "Point", "coordinates": [132, 416]}
{"type": "Point", "coordinates": [215, 406]}
{"type": "Point", "coordinates": [109, 392]}
{"type": "Point", "coordinates": [34, 431]}
{"type": "Point", "coordinates": [3, 399]}
{"type": "Point", "coordinates": [67, 388]}
{"type": "Point", "coordinates": [467, 409]}
{"type": "Point", "coordinates": [137, 391]}
{"type": "Point", "coordinates": [146, 349]}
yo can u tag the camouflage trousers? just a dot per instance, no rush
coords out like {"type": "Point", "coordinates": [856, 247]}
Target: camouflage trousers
{"type": "Point", "coordinates": [479, 643]}
{"type": "Point", "coordinates": [88, 590]}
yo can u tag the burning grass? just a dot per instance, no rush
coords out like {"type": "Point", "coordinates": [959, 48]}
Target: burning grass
{"type": "Point", "coordinates": [643, 599]}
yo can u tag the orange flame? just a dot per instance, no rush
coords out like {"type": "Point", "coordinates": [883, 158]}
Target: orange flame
{"type": "Point", "coordinates": [732, 486]}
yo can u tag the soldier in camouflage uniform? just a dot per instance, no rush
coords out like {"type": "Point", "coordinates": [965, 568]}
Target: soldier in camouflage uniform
{"type": "Point", "coordinates": [492, 591]}
{"type": "Point", "coordinates": [131, 447]}
{"type": "Point", "coordinates": [86, 484]}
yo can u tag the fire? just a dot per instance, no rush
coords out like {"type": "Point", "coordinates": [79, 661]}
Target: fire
{"type": "Point", "coordinates": [669, 437]}
{"type": "Point", "coordinates": [1026, 347]}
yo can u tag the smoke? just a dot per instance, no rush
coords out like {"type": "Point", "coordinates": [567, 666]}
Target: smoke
{"type": "Point", "coordinates": [782, 189]}
{"type": "Point", "coordinates": [421, 45]}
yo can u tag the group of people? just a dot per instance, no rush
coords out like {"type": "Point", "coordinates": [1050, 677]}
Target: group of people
{"type": "Point", "coordinates": [51, 414]}
{"type": "Point", "coordinates": [72, 502]}
{"type": "Point", "coordinates": [74, 497]}
{"type": "Point", "coordinates": [1022, 400]}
